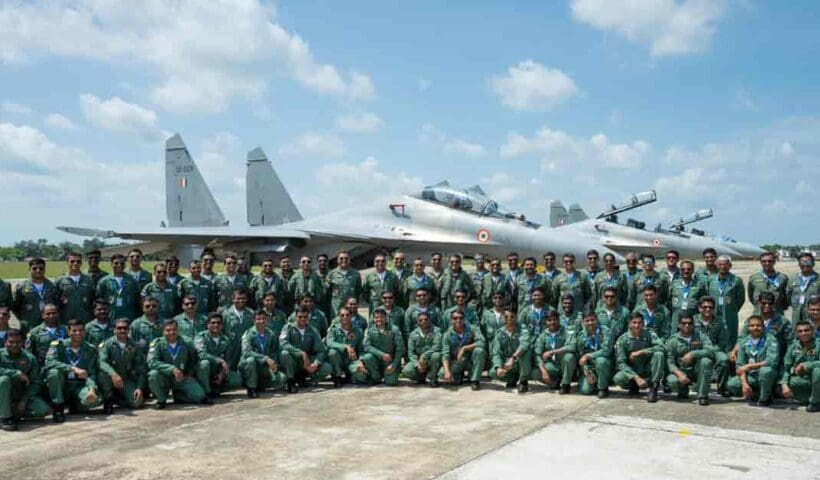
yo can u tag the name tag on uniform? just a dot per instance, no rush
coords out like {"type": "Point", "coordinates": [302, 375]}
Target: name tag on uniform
{"type": "Point", "coordinates": [720, 301]}
{"type": "Point", "coordinates": [802, 299]}
{"type": "Point", "coordinates": [118, 302]}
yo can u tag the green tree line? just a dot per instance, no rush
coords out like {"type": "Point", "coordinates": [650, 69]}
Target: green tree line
{"type": "Point", "coordinates": [42, 248]}
{"type": "Point", "coordinates": [794, 250]}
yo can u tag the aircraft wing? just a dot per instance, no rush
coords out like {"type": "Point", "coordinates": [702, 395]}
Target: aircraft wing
{"type": "Point", "coordinates": [626, 243]}
{"type": "Point", "coordinates": [191, 235]}
{"type": "Point", "coordinates": [386, 235]}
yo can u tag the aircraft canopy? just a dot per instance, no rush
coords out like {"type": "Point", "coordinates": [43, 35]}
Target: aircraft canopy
{"type": "Point", "coordinates": [472, 199]}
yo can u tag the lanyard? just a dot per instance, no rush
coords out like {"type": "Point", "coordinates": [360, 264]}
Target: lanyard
{"type": "Point", "coordinates": [756, 348]}
{"type": "Point", "coordinates": [261, 341]}
{"type": "Point", "coordinates": [73, 359]}
{"type": "Point", "coordinates": [174, 351]}
{"type": "Point", "coordinates": [805, 281]}
{"type": "Point", "coordinates": [55, 333]}
{"type": "Point", "coordinates": [773, 281]}
{"type": "Point", "coordinates": [722, 284]}
{"type": "Point", "coordinates": [594, 342]}
{"type": "Point", "coordinates": [553, 340]}
{"type": "Point", "coordinates": [648, 318]}
{"type": "Point", "coordinates": [685, 289]}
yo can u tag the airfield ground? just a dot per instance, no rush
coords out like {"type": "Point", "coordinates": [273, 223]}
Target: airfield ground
{"type": "Point", "coordinates": [411, 432]}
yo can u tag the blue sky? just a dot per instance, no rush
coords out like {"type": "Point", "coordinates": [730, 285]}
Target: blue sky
{"type": "Point", "coordinates": [712, 103]}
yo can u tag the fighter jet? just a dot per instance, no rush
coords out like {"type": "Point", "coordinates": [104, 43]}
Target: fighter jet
{"type": "Point", "coordinates": [634, 236]}
{"type": "Point", "coordinates": [441, 217]}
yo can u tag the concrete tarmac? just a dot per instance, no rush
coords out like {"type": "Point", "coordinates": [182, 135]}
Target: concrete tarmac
{"type": "Point", "coordinates": [411, 432]}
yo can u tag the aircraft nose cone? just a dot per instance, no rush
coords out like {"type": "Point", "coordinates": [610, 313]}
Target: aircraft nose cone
{"type": "Point", "coordinates": [747, 250]}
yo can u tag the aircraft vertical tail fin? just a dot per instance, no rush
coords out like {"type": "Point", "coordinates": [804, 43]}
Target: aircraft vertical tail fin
{"type": "Point", "coordinates": [188, 200]}
{"type": "Point", "coordinates": [268, 202]}
{"type": "Point", "coordinates": [577, 214]}
{"type": "Point", "coordinates": [558, 214]}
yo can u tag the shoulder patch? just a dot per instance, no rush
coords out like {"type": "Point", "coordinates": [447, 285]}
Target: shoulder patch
{"type": "Point", "coordinates": [54, 343]}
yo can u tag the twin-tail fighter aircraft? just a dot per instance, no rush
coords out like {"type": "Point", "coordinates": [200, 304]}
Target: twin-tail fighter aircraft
{"type": "Point", "coordinates": [440, 217]}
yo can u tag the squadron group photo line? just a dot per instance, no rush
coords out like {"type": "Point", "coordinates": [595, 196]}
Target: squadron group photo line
{"type": "Point", "coordinates": [91, 338]}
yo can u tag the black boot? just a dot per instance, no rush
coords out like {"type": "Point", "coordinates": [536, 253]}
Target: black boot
{"type": "Point", "coordinates": [160, 406]}
{"type": "Point", "coordinates": [564, 390]}
{"type": "Point", "coordinates": [206, 401]}
{"type": "Point", "coordinates": [214, 394]}
{"type": "Point", "coordinates": [58, 414]}
{"type": "Point", "coordinates": [603, 393]}
{"type": "Point", "coordinates": [434, 384]}
{"type": "Point", "coordinates": [813, 407]}
{"type": "Point", "coordinates": [108, 408]}
{"type": "Point", "coordinates": [703, 402]}
{"type": "Point", "coordinates": [510, 384]}
{"type": "Point", "coordinates": [653, 394]}
{"type": "Point", "coordinates": [764, 403]}
{"type": "Point", "coordinates": [523, 387]}
{"type": "Point", "coordinates": [8, 424]}
{"type": "Point", "coordinates": [252, 393]}
{"type": "Point", "coordinates": [475, 386]}
{"type": "Point", "coordinates": [634, 389]}
{"type": "Point", "coordinates": [292, 387]}
{"type": "Point", "coordinates": [337, 381]}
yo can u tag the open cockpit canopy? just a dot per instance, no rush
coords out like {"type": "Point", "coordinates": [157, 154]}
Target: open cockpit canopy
{"type": "Point", "coordinates": [471, 199]}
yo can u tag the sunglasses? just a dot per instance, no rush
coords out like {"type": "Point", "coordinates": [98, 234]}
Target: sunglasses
{"type": "Point", "coordinates": [188, 304]}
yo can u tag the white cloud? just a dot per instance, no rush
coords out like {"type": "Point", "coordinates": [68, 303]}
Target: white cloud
{"type": "Point", "coordinates": [620, 155]}
{"type": "Point", "coordinates": [465, 148]}
{"type": "Point", "coordinates": [366, 122]}
{"type": "Point", "coordinates": [367, 173]}
{"type": "Point", "coordinates": [786, 149]}
{"type": "Point", "coordinates": [803, 187]}
{"type": "Point", "coordinates": [33, 164]}
{"type": "Point", "coordinates": [203, 53]}
{"type": "Point", "coordinates": [670, 27]}
{"type": "Point", "coordinates": [25, 149]}
{"type": "Point", "coordinates": [530, 86]}
{"type": "Point", "coordinates": [694, 181]}
{"type": "Point", "coordinates": [314, 144]}
{"type": "Point", "coordinates": [743, 100]}
{"type": "Point", "coordinates": [62, 122]}
{"type": "Point", "coordinates": [14, 107]}
{"type": "Point", "coordinates": [558, 150]}
{"type": "Point", "coordinates": [430, 134]}
{"type": "Point", "coordinates": [502, 187]}
{"type": "Point", "coordinates": [118, 115]}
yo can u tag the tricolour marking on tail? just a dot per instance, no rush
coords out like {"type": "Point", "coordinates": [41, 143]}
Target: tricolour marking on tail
{"type": "Point", "coordinates": [188, 200]}
{"type": "Point", "coordinates": [558, 214]}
